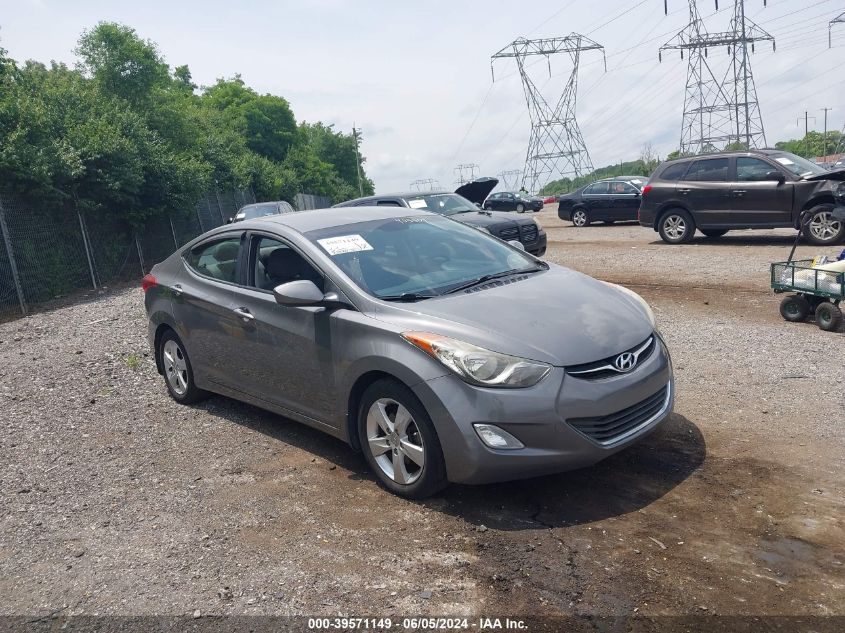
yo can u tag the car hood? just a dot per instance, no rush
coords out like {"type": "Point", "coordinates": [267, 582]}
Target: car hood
{"type": "Point", "coordinates": [489, 218]}
{"type": "Point", "coordinates": [838, 174]}
{"type": "Point", "coordinates": [477, 190]}
{"type": "Point", "coordinates": [558, 316]}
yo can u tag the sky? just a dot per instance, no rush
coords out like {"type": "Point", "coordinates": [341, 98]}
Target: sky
{"type": "Point", "coordinates": [415, 76]}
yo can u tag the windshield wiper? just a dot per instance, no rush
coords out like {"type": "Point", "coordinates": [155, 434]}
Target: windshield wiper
{"type": "Point", "coordinates": [407, 297]}
{"type": "Point", "coordinates": [492, 276]}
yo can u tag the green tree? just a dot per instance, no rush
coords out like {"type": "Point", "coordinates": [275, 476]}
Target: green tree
{"type": "Point", "coordinates": [813, 145]}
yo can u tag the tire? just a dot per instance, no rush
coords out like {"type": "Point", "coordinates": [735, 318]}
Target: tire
{"type": "Point", "coordinates": [609, 222]}
{"type": "Point", "coordinates": [381, 403]}
{"type": "Point", "coordinates": [823, 229]}
{"type": "Point", "coordinates": [828, 316]}
{"type": "Point", "coordinates": [580, 217]}
{"type": "Point", "coordinates": [177, 371]}
{"type": "Point", "coordinates": [713, 233]}
{"type": "Point", "coordinates": [676, 227]}
{"type": "Point", "coordinates": [520, 208]}
{"type": "Point", "coordinates": [795, 308]}
{"type": "Point", "coordinates": [487, 207]}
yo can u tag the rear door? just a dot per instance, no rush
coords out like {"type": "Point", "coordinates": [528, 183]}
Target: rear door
{"type": "Point", "coordinates": [706, 188]}
{"type": "Point", "coordinates": [758, 199]}
{"type": "Point", "coordinates": [596, 198]}
{"type": "Point", "coordinates": [203, 303]}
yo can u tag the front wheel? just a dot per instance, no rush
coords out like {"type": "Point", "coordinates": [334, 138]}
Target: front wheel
{"type": "Point", "coordinates": [794, 308]}
{"type": "Point", "coordinates": [520, 208]}
{"type": "Point", "coordinates": [676, 227]}
{"type": "Point", "coordinates": [828, 316]}
{"type": "Point", "coordinates": [580, 218]}
{"type": "Point", "coordinates": [399, 441]}
{"type": "Point", "coordinates": [823, 229]}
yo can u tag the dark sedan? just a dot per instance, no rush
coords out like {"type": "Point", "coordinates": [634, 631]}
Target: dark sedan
{"type": "Point", "coordinates": [463, 206]}
{"type": "Point", "coordinates": [611, 200]}
{"type": "Point", "coordinates": [513, 201]}
{"type": "Point", "coordinates": [262, 209]}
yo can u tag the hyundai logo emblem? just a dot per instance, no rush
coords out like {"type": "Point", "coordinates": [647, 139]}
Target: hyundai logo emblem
{"type": "Point", "coordinates": [625, 362]}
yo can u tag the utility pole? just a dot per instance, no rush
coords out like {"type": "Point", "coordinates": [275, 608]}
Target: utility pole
{"type": "Point", "coordinates": [824, 141]}
{"type": "Point", "coordinates": [720, 108]}
{"type": "Point", "coordinates": [556, 147]}
{"type": "Point", "coordinates": [358, 161]}
{"type": "Point", "coordinates": [807, 118]}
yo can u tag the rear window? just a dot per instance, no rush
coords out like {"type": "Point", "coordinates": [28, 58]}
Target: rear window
{"type": "Point", "coordinates": [709, 170]}
{"type": "Point", "coordinates": [674, 172]}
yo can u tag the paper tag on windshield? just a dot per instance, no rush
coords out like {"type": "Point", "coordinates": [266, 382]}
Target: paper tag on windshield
{"type": "Point", "coordinates": [345, 244]}
{"type": "Point", "coordinates": [783, 161]}
{"type": "Point", "coordinates": [417, 204]}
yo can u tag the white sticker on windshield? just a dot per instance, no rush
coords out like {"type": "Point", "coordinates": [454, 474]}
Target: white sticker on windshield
{"type": "Point", "coordinates": [417, 204]}
{"type": "Point", "coordinates": [783, 161]}
{"type": "Point", "coordinates": [345, 244]}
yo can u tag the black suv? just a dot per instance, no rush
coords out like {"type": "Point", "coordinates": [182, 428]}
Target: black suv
{"type": "Point", "coordinates": [463, 206]}
{"type": "Point", "coordinates": [757, 189]}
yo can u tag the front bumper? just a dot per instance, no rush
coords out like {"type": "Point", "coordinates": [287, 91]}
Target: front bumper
{"type": "Point", "coordinates": [538, 246]}
{"type": "Point", "coordinates": [538, 418]}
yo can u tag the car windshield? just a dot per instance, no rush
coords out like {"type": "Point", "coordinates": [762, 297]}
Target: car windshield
{"type": "Point", "coordinates": [411, 258]}
{"type": "Point", "coordinates": [798, 166]}
{"type": "Point", "coordinates": [442, 203]}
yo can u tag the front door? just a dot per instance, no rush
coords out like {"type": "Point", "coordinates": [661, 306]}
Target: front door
{"type": "Point", "coordinates": [597, 199]}
{"type": "Point", "coordinates": [286, 357]}
{"type": "Point", "coordinates": [759, 199]}
{"type": "Point", "coordinates": [626, 201]}
{"type": "Point", "coordinates": [707, 190]}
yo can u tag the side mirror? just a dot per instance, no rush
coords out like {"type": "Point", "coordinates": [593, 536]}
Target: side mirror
{"type": "Point", "coordinates": [230, 220]}
{"type": "Point", "coordinates": [302, 292]}
{"type": "Point", "coordinates": [775, 175]}
{"type": "Point", "coordinates": [516, 244]}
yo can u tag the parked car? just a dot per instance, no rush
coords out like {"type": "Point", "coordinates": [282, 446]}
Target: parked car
{"type": "Point", "coordinates": [464, 206]}
{"type": "Point", "coordinates": [261, 209]}
{"type": "Point", "coordinates": [513, 201]}
{"type": "Point", "coordinates": [758, 189]}
{"type": "Point", "coordinates": [609, 200]}
{"type": "Point", "coordinates": [375, 325]}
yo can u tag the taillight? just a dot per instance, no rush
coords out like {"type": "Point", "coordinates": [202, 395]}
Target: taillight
{"type": "Point", "coordinates": [148, 282]}
{"type": "Point", "coordinates": [646, 189]}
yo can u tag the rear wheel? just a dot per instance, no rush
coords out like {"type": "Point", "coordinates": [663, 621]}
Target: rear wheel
{"type": "Point", "coordinates": [794, 308]}
{"type": "Point", "coordinates": [178, 374]}
{"type": "Point", "coordinates": [487, 207]}
{"type": "Point", "coordinates": [520, 208]}
{"type": "Point", "coordinates": [828, 316]}
{"type": "Point", "coordinates": [713, 233]}
{"type": "Point", "coordinates": [676, 227]}
{"type": "Point", "coordinates": [823, 229]}
{"type": "Point", "coordinates": [399, 440]}
{"type": "Point", "coordinates": [580, 218]}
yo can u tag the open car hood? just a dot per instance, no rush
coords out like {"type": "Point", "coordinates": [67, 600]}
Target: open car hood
{"type": "Point", "coordinates": [838, 174]}
{"type": "Point", "coordinates": [477, 190]}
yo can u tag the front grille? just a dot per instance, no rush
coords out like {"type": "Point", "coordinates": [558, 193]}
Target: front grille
{"type": "Point", "coordinates": [605, 368]}
{"type": "Point", "coordinates": [509, 233]}
{"type": "Point", "coordinates": [529, 233]}
{"type": "Point", "coordinates": [611, 428]}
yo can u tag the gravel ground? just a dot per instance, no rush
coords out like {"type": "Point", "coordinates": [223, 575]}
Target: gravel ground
{"type": "Point", "coordinates": [116, 500]}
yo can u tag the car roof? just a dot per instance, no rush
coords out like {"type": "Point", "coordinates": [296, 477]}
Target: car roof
{"type": "Point", "coordinates": [317, 219]}
{"type": "Point", "coordinates": [400, 194]}
{"type": "Point", "coordinates": [734, 152]}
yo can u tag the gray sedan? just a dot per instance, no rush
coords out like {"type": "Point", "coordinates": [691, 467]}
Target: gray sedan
{"type": "Point", "coordinates": [441, 352]}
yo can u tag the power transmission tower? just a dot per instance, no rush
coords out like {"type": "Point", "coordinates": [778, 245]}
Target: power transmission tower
{"type": "Point", "coordinates": [462, 169]}
{"type": "Point", "coordinates": [425, 184]}
{"type": "Point", "coordinates": [556, 147]}
{"type": "Point", "coordinates": [840, 19]}
{"type": "Point", "coordinates": [719, 109]}
{"type": "Point", "coordinates": [509, 179]}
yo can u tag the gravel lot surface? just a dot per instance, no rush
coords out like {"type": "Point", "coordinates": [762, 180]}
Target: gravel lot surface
{"type": "Point", "coordinates": [116, 500]}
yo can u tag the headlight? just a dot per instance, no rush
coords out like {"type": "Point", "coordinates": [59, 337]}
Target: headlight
{"type": "Point", "coordinates": [477, 365]}
{"type": "Point", "coordinates": [840, 191]}
{"type": "Point", "coordinates": [639, 299]}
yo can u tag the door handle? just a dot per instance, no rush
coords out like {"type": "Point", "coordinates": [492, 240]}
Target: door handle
{"type": "Point", "coordinates": [245, 314]}
{"type": "Point", "coordinates": [684, 191]}
{"type": "Point", "coordinates": [177, 290]}
{"type": "Point", "coordinates": [739, 192]}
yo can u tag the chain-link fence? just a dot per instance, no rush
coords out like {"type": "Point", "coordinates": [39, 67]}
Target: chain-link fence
{"type": "Point", "coordinates": [306, 201]}
{"type": "Point", "coordinates": [48, 252]}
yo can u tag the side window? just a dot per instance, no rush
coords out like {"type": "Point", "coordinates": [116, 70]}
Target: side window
{"type": "Point", "coordinates": [621, 187]}
{"type": "Point", "coordinates": [218, 260]}
{"type": "Point", "coordinates": [752, 169]}
{"type": "Point", "coordinates": [274, 263]}
{"type": "Point", "coordinates": [596, 188]}
{"type": "Point", "coordinates": [674, 172]}
{"type": "Point", "coordinates": [709, 170]}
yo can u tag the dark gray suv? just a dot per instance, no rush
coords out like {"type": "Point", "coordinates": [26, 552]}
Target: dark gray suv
{"type": "Point", "coordinates": [758, 189]}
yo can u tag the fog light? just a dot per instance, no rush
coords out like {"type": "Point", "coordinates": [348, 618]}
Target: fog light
{"type": "Point", "coordinates": [495, 437]}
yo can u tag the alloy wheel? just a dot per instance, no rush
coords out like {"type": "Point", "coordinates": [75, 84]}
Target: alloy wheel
{"type": "Point", "coordinates": [579, 218]}
{"type": "Point", "coordinates": [175, 367]}
{"type": "Point", "coordinates": [824, 226]}
{"type": "Point", "coordinates": [675, 227]}
{"type": "Point", "coordinates": [395, 441]}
